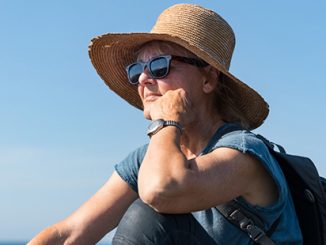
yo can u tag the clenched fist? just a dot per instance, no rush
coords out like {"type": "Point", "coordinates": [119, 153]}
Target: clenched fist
{"type": "Point", "coordinates": [173, 105]}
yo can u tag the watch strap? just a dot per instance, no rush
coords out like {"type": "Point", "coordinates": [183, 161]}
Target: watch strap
{"type": "Point", "coordinates": [159, 124]}
{"type": "Point", "coordinates": [173, 123]}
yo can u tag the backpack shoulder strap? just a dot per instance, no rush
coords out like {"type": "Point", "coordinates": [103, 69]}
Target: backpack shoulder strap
{"type": "Point", "coordinates": [247, 222]}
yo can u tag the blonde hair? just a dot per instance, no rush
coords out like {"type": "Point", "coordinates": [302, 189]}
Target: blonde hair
{"type": "Point", "coordinates": [226, 107]}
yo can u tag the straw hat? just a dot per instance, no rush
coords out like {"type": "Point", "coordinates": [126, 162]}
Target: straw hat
{"type": "Point", "coordinates": [202, 31]}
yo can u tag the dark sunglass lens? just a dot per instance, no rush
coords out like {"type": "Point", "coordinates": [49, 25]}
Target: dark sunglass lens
{"type": "Point", "coordinates": [134, 72]}
{"type": "Point", "coordinates": [159, 67]}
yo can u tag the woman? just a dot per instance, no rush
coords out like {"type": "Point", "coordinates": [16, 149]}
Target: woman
{"type": "Point", "coordinates": [166, 192]}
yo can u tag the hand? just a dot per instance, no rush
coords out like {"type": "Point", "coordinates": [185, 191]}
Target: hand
{"type": "Point", "coordinates": [173, 105]}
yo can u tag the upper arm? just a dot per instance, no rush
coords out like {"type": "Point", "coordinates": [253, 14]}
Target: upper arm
{"type": "Point", "coordinates": [102, 212]}
{"type": "Point", "coordinates": [216, 178]}
{"type": "Point", "coordinates": [225, 174]}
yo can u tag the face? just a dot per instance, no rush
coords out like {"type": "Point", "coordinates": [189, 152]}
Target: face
{"type": "Point", "coordinates": [181, 75]}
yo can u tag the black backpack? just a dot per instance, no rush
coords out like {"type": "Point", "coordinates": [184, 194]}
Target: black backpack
{"type": "Point", "coordinates": [308, 191]}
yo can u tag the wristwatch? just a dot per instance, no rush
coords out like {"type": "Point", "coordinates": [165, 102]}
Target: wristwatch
{"type": "Point", "coordinates": [157, 125]}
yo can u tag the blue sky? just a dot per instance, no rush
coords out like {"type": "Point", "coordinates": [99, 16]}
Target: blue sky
{"type": "Point", "coordinates": [62, 130]}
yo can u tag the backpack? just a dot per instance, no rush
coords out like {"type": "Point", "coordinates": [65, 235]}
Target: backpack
{"type": "Point", "coordinates": [308, 192]}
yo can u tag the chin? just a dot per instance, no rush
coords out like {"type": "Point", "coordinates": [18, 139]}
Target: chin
{"type": "Point", "coordinates": [146, 113]}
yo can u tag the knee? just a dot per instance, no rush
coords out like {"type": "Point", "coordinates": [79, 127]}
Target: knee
{"type": "Point", "coordinates": [143, 225]}
{"type": "Point", "coordinates": [138, 223]}
{"type": "Point", "coordinates": [138, 216]}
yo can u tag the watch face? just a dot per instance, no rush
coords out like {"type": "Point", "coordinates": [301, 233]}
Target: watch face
{"type": "Point", "coordinates": [155, 126]}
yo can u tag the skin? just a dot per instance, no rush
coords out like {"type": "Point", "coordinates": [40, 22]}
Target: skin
{"type": "Point", "coordinates": [99, 215]}
{"type": "Point", "coordinates": [177, 172]}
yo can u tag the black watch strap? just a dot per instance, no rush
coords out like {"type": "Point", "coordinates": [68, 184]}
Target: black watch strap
{"type": "Point", "coordinates": [173, 123]}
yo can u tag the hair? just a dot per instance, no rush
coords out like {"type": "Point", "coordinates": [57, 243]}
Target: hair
{"type": "Point", "coordinates": [223, 97]}
{"type": "Point", "coordinates": [226, 107]}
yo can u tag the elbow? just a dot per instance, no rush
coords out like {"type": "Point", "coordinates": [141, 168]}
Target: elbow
{"type": "Point", "coordinates": [159, 195]}
{"type": "Point", "coordinates": [151, 198]}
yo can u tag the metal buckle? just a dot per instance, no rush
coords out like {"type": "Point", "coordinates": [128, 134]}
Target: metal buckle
{"type": "Point", "coordinates": [248, 226]}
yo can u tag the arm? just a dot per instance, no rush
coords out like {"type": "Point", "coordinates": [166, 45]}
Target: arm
{"type": "Point", "coordinates": [178, 184]}
{"type": "Point", "coordinates": [93, 219]}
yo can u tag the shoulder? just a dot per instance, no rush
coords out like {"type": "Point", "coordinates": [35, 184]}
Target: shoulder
{"type": "Point", "coordinates": [128, 168]}
{"type": "Point", "coordinates": [242, 140]}
{"type": "Point", "coordinates": [247, 166]}
{"type": "Point", "coordinates": [248, 143]}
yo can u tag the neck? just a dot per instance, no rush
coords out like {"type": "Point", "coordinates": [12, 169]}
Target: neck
{"type": "Point", "coordinates": [197, 135]}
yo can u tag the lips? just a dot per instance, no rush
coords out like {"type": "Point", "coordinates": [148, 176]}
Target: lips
{"type": "Point", "coordinates": [149, 97]}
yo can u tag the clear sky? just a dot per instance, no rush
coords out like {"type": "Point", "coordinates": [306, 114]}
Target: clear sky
{"type": "Point", "coordinates": [62, 130]}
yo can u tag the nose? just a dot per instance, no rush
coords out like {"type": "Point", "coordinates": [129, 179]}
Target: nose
{"type": "Point", "coordinates": [145, 78]}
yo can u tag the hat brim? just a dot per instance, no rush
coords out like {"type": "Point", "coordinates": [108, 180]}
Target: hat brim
{"type": "Point", "coordinates": [111, 53]}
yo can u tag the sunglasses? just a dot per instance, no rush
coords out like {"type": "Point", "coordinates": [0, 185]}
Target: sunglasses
{"type": "Point", "coordinates": [158, 67]}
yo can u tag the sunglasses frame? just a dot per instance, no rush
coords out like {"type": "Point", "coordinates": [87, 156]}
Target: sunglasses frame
{"type": "Point", "coordinates": [168, 58]}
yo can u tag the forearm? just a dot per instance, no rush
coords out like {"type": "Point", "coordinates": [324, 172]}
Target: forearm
{"type": "Point", "coordinates": [164, 168]}
{"type": "Point", "coordinates": [95, 218]}
{"type": "Point", "coordinates": [51, 235]}
{"type": "Point", "coordinates": [77, 229]}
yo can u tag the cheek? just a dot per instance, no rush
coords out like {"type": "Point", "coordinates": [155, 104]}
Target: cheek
{"type": "Point", "coordinates": [189, 78]}
{"type": "Point", "coordinates": [166, 87]}
{"type": "Point", "coordinates": [189, 84]}
{"type": "Point", "coordinates": [141, 92]}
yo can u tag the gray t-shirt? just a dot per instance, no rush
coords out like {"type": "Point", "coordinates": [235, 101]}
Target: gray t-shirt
{"type": "Point", "coordinates": [220, 229]}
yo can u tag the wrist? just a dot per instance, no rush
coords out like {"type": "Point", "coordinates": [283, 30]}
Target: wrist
{"type": "Point", "coordinates": [159, 124]}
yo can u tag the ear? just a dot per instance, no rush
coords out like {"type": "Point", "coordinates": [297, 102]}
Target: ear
{"type": "Point", "coordinates": [210, 80]}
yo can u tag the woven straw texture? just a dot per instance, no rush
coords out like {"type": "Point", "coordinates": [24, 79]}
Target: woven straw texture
{"type": "Point", "coordinates": [197, 29]}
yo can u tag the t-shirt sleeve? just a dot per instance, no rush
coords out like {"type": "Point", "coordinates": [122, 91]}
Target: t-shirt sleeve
{"type": "Point", "coordinates": [129, 167]}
